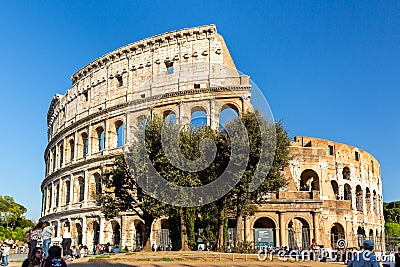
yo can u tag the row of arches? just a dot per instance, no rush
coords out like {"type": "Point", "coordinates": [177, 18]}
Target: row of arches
{"type": "Point", "coordinates": [71, 190]}
{"type": "Point", "coordinates": [310, 181]}
{"type": "Point", "coordinates": [199, 115]}
{"type": "Point", "coordinates": [80, 145]}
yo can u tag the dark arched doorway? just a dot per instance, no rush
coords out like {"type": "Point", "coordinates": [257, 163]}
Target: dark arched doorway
{"type": "Point", "coordinates": [309, 180]}
{"type": "Point", "coordinates": [298, 234]}
{"type": "Point", "coordinates": [264, 232]}
{"type": "Point", "coordinates": [337, 232]}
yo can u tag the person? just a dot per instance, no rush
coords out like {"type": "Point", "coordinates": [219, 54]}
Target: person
{"type": "Point", "coordinates": [54, 259]}
{"type": "Point", "coordinates": [116, 250]}
{"type": "Point", "coordinates": [66, 239]}
{"type": "Point", "coordinates": [386, 260]}
{"type": "Point", "coordinates": [397, 257]}
{"type": "Point", "coordinates": [37, 257]}
{"type": "Point", "coordinates": [365, 258]}
{"type": "Point", "coordinates": [46, 237]}
{"type": "Point", "coordinates": [5, 251]}
{"type": "Point", "coordinates": [35, 235]}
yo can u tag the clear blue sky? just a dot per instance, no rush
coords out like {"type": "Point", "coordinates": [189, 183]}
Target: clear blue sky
{"type": "Point", "coordinates": [331, 69]}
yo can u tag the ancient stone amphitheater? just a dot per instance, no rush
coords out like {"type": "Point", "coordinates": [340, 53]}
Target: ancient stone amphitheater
{"type": "Point", "coordinates": [334, 190]}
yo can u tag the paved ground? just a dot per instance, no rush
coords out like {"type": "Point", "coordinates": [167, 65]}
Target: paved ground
{"type": "Point", "coordinates": [178, 260]}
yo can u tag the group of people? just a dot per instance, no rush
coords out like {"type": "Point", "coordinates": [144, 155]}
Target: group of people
{"type": "Point", "coordinates": [5, 251]}
{"type": "Point", "coordinates": [46, 256]}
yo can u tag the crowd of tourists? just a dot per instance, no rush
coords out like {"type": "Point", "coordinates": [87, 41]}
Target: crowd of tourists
{"type": "Point", "coordinates": [44, 255]}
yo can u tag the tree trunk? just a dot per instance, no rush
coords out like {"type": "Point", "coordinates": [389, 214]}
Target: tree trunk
{"type": "Point", "coordinates": [221, 224]}
{"type": "Point", "coordinates": [184, 237]}
{"type": "Point", "coordinates": [239, 220]}
{"type": "Point", "coordinates": [148, 221]}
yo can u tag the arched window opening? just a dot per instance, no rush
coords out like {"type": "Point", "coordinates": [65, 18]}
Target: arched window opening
{"type": "Point", "coordinates": [61, 155]}
{"type": "Point", "coordinates": [169, 116]}
{"type": "Point", "coordinates": [368, 199]}
{"type": "Point", "coordinates": [50, 196]}
{"type": "Point", "coordinates": [309, 181]}
{"type": "Point", "coordinates": [71, 150]}
{"type": "Point", "coordinates": [67, 192]}
{"type": "Point", "coordinates": [359, 198]}
{"type": "Point", "coordinates": [116, 233]}
{"type": "Point", "coordinates": [375, 201]}
{"type": "Point", "coordinates": [97, 180]}
{"type": "Point", "coordinates": [120, 133]}
{"type": "Point", "coordinates": [57, 195]}
{"type": "Point", "coordinates": [140, 233]}
{"type": "Point", "coordinates": [335, 188]}
{"type": "Point", "coordinates": [85, 145]}
{"type": "Point", "coordinates": [100, 138]}
{"type": "Point", "coordinates": [360, 235]}
{"type": "Point", "coordinates": [198, 118]}
{"type": "Point", "coordinates": [298, 234]}
{"type": "Point", "coordinates": [96, 233]}
{"type": "Point", "coordinates": [347, 192]}
{"type": "Point", "coordinates": [346, 173]}
{"type": "Point", "coordinates": [162, 235]}
{"type": "Point", "coordinates": [81, 189]}
{"type": "Point", "coordinates": [264, 232]}
{"type": "Point", "coordinates": [79, 236]}
{"type": "Point", "coordinates": [53, 158]}
{"type": "Point", "coordinates": [337, 232]}
{"type": "Point", "coordinates": [228, 113]}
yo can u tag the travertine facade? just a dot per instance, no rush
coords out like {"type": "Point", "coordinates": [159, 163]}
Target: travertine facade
{"type": "Point", "coordinates": [180, 73]}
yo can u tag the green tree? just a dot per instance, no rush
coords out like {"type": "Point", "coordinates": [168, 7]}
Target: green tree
{"type": "Point", "coordinates": [10, 211]}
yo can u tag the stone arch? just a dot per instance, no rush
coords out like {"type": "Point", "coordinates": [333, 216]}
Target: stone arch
{"type": "Point", "coordinates": [227, 113]}
{"type": "Point", "coordinates": [298, 233]}
{"type": "Point", "coordinates": [337, 232]}
{"type": "Point", "coordinates": [347, 195]}
{"type": "Point", "coordinates": [99, 139]}
{"type": "Point", "coordinates": [79, 234]}
{"type": "Point", "coordinates": [116, 233]}
{"type": "Point", "coordinates": [162, 234]}
{"type": "Point", "coordinates": [170, 116]}
{"type": "Point", "coordinates": [335, 189]}
{"type": "Point", "coordinates": [118, 133]}
{"type": "Point", "coordinates": [360, 235]}
{"type": "Point", "coordinates": [309, 180]}
{"type": "Point", "coordinates": [346, 173]}
{"type": "Point", "coordinates": [198, 116]}
{"type": "Point", "coordinates": [139, 235]}
{"type": "Point", "coordinates": [96, 233]}
{"type": "Point", "coordinates": [359, 198]}
{"type": "Point", "coordinates": [264, 232]}
{"type": "Point", "coordinates": [98, 188]}
{"type": "Point", "coordinates": [83, 145]}
{"type": "Point", "coordinates": [375, 202]}
{"type": "Point", "coordinates": [80, 189]}
{"type": "Point", "coordinates": [371, 234]}
{"type": "Point", "coordinates": [368, 199]}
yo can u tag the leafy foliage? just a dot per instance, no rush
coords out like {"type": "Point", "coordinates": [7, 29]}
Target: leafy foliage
{"type": "Point", "coordinates": [13, 224]}
{"type": "Point", "coordinates": [123, 193]}
{"type": "Point", "coordinates": [391, 213]}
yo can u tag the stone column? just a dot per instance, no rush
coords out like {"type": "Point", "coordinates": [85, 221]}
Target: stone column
{"type": "Point", "coordinates": [84, 230]}
{"type": "Point", "coordinates": [102, 222]}
{"type": "Point", "coordinates": [282, 228]}
{"type": "Point", "coordinates": [315, 225]}
{"type": "Point", "coordinates": [86, 184]}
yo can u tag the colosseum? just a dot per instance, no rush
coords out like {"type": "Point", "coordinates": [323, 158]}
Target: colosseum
{"type": "Point", "coordinates": [334, 190]}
